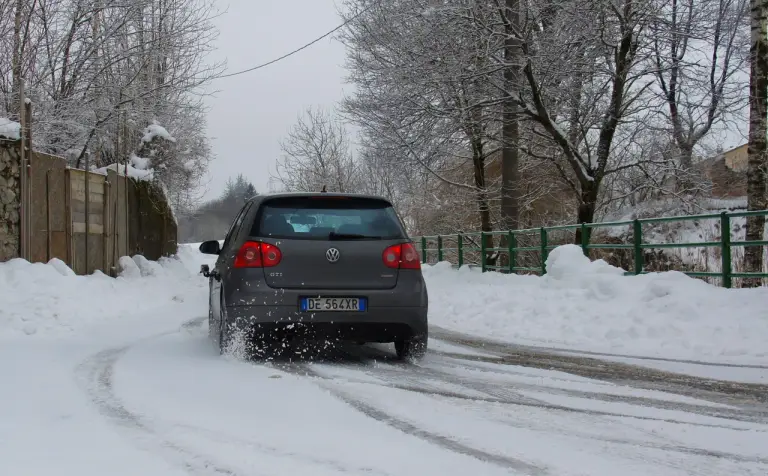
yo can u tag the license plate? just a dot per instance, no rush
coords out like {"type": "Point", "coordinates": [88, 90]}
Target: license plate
{"type": "Point", "coordinates": [331, 304]}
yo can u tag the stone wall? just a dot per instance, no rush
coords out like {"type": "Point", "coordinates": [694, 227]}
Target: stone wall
{"type": "Point", "coordinates": [10, 200]}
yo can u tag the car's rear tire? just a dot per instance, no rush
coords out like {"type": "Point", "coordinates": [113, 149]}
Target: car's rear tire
{"type": "Point", "coordinates": [226, 334]}
{"type": "Point", "coordinates": [224, 339]}
{"type": "Point", "coordinates": [411, 348]}
{"type": "Point", "coordinates": [213, 333]}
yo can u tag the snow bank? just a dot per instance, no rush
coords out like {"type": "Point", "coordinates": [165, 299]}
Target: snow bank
{"type": "Point", "coordinates": [579, 305]}
{"type": "Point", "coordinates": [584, 305]}
{"type": "Point", "coordinates": [50, 300]}
{"type": "Point", "coordinates": [9, 129]}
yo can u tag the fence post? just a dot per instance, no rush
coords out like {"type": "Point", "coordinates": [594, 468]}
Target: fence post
{"type": "Point", "coordinates": [460, 249]}
{"type": "Point", "coordinates": [48, 247]}
{"type": "Point", "coordinates": [584, 240]}
{"type": "Point", "coordinates": [105, 227]}
{"type": "Point", "coordinates": [637, 243]}
{"type": "Point", "coordinates": [87, 176]}
{"type": "Point", "coordinates": [439, 249]}
{"type": "Point", "coordinates": [482, 251]}
{"type": "Point", "coordinates": [68, 218]}
{"type": "Point", "coordinates": [725, 248]}
{"type": "Point", "coordinates": [512, 244]}
{"type": "Point", "coordinates": [424, 249]}
{"type": "Point", "coordinates": [544, 252]}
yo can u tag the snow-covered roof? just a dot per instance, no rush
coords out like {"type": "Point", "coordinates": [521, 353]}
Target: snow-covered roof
{"type": "Point", "coordinates": [9, 129]}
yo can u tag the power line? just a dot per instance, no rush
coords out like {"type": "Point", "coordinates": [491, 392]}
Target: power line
{"type": "Point", "coordinates": [354, 17]}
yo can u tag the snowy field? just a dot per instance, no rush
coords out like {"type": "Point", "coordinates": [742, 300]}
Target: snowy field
{"type": "Point", "coordinates": [116, 376]}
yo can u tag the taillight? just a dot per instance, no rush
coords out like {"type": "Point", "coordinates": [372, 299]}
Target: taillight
{"type": "Point", "coordinates": [404, 256]}
{"type": "Point", "coordinates": [254, 254]}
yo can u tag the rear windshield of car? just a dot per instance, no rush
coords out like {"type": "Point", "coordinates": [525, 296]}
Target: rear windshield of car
{"type": "Point", "coordinates": [319, 218]}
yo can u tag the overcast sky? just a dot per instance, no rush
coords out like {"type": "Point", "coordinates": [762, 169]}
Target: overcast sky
{"type": "Point", "coordinates": [250, 113]}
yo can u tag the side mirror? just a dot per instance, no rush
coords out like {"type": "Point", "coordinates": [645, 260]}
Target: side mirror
{"type": "Point", "coordinates": [211, 247]}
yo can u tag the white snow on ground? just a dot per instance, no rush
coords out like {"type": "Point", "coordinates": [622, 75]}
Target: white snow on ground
{"type": "Point", "coordinates": [442, 346]}
{"type": "Point", "coordinates": [116, 376]}
{"type": "Point", "coordinates": [99, 376]}
{"type": "Point", "coordinates": [50, 322]}
{"type": "Point", "coordinates": [49, 300]}
{"type": "Point", "coordinates": [584, 305]}
{"type": "Point", "coordinates": [274, 423]}
{"type": "Point", "coordinates": [597, 437]}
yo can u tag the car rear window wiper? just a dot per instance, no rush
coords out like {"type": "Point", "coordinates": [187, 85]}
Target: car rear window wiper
{"type": "Point", "coordinates": [351, 236]}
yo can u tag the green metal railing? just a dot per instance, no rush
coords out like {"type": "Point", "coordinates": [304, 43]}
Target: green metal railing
{"type": "Point", "coordinates": [477, 242]}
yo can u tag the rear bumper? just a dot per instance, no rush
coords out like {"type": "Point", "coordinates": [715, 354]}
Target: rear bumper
{"type": "Point", "coordinates": [380, 324]}
{"type": "Point", "coordinates": [251, 305]}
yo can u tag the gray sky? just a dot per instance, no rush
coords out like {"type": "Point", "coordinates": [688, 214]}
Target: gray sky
{"type": "Point", "coordinates": [253, 111]}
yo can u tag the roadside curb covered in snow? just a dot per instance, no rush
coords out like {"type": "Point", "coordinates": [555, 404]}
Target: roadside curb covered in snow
{"type": "Point", "coordinates": [590, 305]}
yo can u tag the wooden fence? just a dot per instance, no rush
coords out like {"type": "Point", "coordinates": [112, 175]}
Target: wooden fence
{"type": "Point", "coordinates": [87, 219]}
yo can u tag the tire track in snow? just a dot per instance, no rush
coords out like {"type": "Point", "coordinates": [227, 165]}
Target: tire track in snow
{"type": "Point", "coordinates": [395, 380]}
{"type": "Point", "coordinates": [750, 397]}
{"type": "Point", "coordinates": [98, 371]}
{"type": "Point", "coordinates": [734, 414]}
{"type": "Point", "coordinates": [397, 374]}
{"type": "Point", "coordinates": [448, 335]}
{"type": "Point", "coordinates": [394, 375]}
{"type": "Point", "coordinates": [302, 369]}
{"type": "Point", "coordinates": [96, 378]}
{"type": "Point", "coordinates": [225, 438]}
{"type": "Point", "coordinates": [400, 376]}
{"type": "Point", "coordinates": [404, 426]}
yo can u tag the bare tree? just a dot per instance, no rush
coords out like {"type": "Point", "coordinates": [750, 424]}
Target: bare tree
{"type": "Point", "coordinates": [317, 155]}
{"type": "Point", "coordinates": [757, 191]}
{"type": "Point", "coordinates": [510, 167]}
{"type": "Point", "coordinates": [595, 50]}
{"type": "Point", "coordinates": [421, 75]}
{"type": "Point", "coordinates": [699, 54]}
{"type": "Point", "coordinates": [100, 71]}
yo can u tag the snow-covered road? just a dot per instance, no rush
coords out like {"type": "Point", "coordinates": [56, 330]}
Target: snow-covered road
{"type": "Point", "coordinates": [166, 403]}
{"type": "Point", "coordinates": [122, 380]}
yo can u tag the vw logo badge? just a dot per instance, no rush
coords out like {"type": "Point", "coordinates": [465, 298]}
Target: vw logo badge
{"type": "Point", "coordinates": [332, 255]}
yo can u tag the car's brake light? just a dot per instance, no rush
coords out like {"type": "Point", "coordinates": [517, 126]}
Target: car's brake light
{"type": "Point", "coordinates": [255, 254]}
{"type": "Point", "coordinates": [404, 256]}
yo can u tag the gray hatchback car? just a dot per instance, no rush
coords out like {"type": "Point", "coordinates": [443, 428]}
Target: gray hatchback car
{"type": "Point", "coordinates": [326, 265]}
